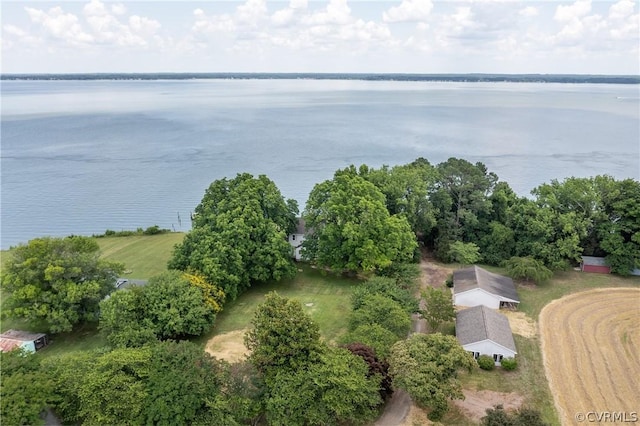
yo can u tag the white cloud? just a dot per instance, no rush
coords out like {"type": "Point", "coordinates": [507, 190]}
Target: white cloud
{"type": "Point", "coordinates": [409, 11]}
{"type": "Point", "coordinates": [576, 10]}
{"type": "Point", "coordinates": [99, 25]}
{"type": "Point", "coordinates": [528, 11]}
{"type": "Point", "coordinates": [118, 9]}
{"type": "Point", "coordinates": [60, 25]}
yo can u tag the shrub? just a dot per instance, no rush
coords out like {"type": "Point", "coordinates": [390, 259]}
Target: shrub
{"type": "Point", "coordinates": [486, 362]}
{"type": "Point", "coordinates": [449, 281]}
{"type": "Point", "coordinates": [509, 364]}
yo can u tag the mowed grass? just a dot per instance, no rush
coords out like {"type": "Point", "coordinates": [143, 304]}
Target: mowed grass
{"type": "Point", "coordinates": [529, 379]}
{"type": "Point", "coordinates": [143, 255]}
{"type": "Point", "coordinates": [325, 297]}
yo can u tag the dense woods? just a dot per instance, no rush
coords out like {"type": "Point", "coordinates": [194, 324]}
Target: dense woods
{"type": "Point", "coordinates": [364, 221]}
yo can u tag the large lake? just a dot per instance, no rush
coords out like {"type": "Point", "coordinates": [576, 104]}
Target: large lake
{"type": "Point", "coordinates": [80, 157]}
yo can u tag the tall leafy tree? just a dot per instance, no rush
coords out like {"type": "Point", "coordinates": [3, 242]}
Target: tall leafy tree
{"type": "Point", "coordinates": [168, 307]}
{"type": "Point", "coordinates": [337, 389]}
{"type": "Point", "coordinates": [438, 307]}
{"type": "Point", "coordinates": [282, 336]}
{"type": "Point", "coordinates": [461, 195]}
{"type": "Point", "coordinates": [239, 235]}
{"type": "Point", "coordinates": [352, 228]}
{"type": "Point", "coordinates": [58, 280]}
{"type": "Point", "coordinates": [406, 190]}
{"type": "Point", "coordinates": [25, 389]}
{"type": "Point", "coordinates": [181, 378]}
{"type": "Point", "coordinates": [426, 366]}
{"type": "Point", "coordinates": [527, 268]}
{"type": "Point", "coordinates": [620, 233]}
{"type": "Point", "coordinates": [384, 311]}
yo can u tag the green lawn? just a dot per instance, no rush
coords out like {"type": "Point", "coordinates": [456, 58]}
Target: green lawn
{"type": "Point", "coordinates": [325, 297]}
{"type": "Point", "coordinates": [143, 255]}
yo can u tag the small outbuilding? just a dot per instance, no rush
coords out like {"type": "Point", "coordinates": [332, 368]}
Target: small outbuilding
{"type": "Point", "coordinates": [483, 331]}
{"type": "Point", "coordinates": [595, 265]}
{"type": "Point", "coordinates": [297, 238]}
{"type": "Point", "coordinates": [30, 342]}
{"type": "Point", "coordinates": [475, 286]}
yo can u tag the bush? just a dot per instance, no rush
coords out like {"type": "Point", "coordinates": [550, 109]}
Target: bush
{"type": "Point", "coordinates": [509, 364]}
{"type": "Point", "coordinates": [486, 362]}
{"type": "Point", "coordinates": [449, 281]}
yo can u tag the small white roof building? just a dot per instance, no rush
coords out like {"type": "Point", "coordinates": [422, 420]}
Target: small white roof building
{"type": "Point", "coordinates": [475, 286]}
{"type": "Point", "coordinates": [483, 331]}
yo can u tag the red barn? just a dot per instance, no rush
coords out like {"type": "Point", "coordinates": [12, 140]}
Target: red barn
{"type": "Point", "coordinates": [594, 264]}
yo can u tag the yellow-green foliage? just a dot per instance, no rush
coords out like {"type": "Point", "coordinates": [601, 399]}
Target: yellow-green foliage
{"type": "Point", "coordinates": [213, 295]}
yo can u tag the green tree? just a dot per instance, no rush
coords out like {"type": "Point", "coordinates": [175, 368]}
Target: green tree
{"type": "Point", "coordinates": [386, 287]}
{"type": "Point", "coordinates": [465, 253]}
{"type": "Point", "coordinates": [438, 307]}
{"type": "Point", "coordinates": [282, 335]}
{"type": "Point", "coordinates": [336, 389]}
{"type": "Point", "coordinates": [527, 268]}
{"type": "Point", "coordinates": [426, 366]}
{"type": "Point", "coordinates": [374, 336]}
{"type": "Point", "coordinates": [352, 228]}
{"type": "Point", "coordinates": [25, 390]}
{"type": "Point", "coordinates": [461, 197]}
{"type": "Point", "coordinates": [181, 377]}
{"type": "Point", "coordinates": [239, 235]}
{"type": "Point", "coordinates": [496, 416]}
{"type": "Point", "coordinates": [541, 233]}
{"type": "Point", "coordinates": [382, 310]}
{"type": "Point", "coordinates": [620, 232]}
{"type": "Point", "coordinates": [58, 280]}
{"type": "Point", "coordinates": [168, 307]}
{"type": "Point", "coordinates": [406, 190]}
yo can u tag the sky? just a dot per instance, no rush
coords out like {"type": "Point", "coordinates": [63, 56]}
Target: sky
{"type": "Point", "coordinates": [350, 36]}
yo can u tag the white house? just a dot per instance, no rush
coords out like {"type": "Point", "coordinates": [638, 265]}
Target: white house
{"type": "Point", "coordinates": [296, 239]}
{"type": "Point", "coordinates": [475, 286]}
{"type": "Point", "coordinates": [483, 331]}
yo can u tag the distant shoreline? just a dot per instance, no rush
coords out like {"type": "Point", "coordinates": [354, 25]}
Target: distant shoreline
{"type": "Point", "coordinates": [461, 78]}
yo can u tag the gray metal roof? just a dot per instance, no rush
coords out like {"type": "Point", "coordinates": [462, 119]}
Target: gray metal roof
{"type": "Point", "coordinates": [475, 277]}
{"type": "Point", "coordinates": [481, 323]}
{"type": "Point", "coordinates": [595, 261]}
{"type": "Point", "coordinates": [301, 226]}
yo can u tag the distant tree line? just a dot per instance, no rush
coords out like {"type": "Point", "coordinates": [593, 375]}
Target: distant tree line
{"type": "Point", "coordinates": [470, 78]}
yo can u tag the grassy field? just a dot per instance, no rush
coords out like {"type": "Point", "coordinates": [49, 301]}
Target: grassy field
{"type": "Point", "coordinates": [325, 297]}
{"type": "Point", "coordinates": [143, 255]}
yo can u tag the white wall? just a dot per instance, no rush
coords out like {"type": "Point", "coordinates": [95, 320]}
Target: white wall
{"type": "Point", "coordinates": [296, 240]}
{"type": "Point", "coordinates": [477, 297]}
{"type": "Point", "coordinates": [488, 347]}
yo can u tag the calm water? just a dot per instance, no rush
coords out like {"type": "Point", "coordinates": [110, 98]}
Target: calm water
{"type": "Point", "coordinates": [82, 157]}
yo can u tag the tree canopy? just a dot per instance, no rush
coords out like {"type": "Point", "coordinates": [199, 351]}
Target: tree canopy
{"type": "Point", "coordinates": [334, 390]}
{"type": "Point", "coordinates": [426, 366]}
{"type": "Point", "coordinates": [283, 336]}
{"type": "Point", "coordinates": [58, 280]}
{"type": "Point", "coordinates": [351, 227]}
{"type": "Point", "coordinates": [168, 307]}
{"type": "Point", "coordinates": [239, 235]}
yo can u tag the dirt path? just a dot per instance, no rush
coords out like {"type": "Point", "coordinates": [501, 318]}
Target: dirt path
{"type": "Point", "coordinates": [590, 344]}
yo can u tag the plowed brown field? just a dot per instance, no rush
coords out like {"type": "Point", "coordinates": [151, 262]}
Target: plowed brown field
{"type": "Point", "coordinates": [590, 344]}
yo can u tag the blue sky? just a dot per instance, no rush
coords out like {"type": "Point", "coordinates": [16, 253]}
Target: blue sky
{"type": "Point", "coordinates": [406, 36]}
